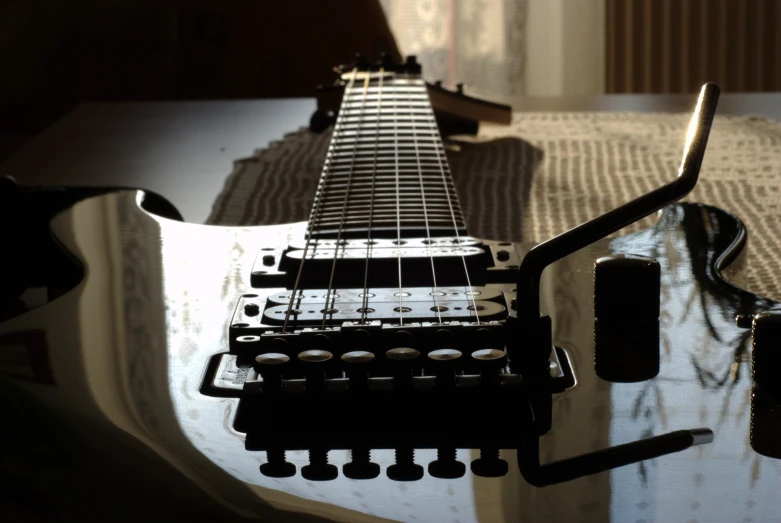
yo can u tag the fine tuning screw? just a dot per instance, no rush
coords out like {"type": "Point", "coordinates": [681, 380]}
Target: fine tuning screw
{"type": "Point", "coordinates": [357, 365]}
{"type": "Point", "coordinates": [319, 469]}
{"type": "Point", "coordinates": [315, 363]}
{"type": "Point", "coordinates": [490, 362]}
{"type": "Point", "coordinates": [489, 465]}
{"type": "Point", "coordinates": [277, 466]}
{"type": "Point", "coordinates": [446, 466]}
{"type": "Point", "coordinates": [405, 468]}
{"type": "Point", "coordinates": [361, 466]}
{"type": "Point", "coordinates": [445, 363]}
{"type": "Point", "coordinates": [402, 360]}
{"type": "Point", "coordinates": [270, 366]}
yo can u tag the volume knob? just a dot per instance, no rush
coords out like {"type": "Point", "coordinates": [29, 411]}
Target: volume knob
{"type": "Point", "coordinates": [766, 352]}
{"type": "Point", "coordinates": [626, 318]}
{"type": "Point", "coordinates": [627, 287]}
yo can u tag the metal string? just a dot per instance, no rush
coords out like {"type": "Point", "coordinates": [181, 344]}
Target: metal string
{"type": "Point", "coordinates": [434, 291]}
{"type": "Point", "coordinates": [328, 304]}
{"type": "Point", "coordinates": [398, 213]}
{"type": "Point", "coordinates": [468, 288]}
{"type": "Point", "coordinates": [316, 208]}
{"type": "Point", "coordinates": [365, 305]}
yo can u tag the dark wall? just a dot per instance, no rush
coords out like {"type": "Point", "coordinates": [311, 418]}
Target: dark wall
{"type": "Point", "coordinates": [57, 53]}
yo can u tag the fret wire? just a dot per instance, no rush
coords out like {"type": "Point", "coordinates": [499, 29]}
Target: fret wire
{"type": "Point", "coordinates": [398, 148]}
{"type": "Point", "coordinates": [339, 234]}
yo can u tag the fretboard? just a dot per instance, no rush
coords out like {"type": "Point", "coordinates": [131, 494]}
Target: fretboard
{"type": "Point", "coordinates": [386, 172]}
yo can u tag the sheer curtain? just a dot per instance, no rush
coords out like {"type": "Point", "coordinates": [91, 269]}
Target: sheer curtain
{"type": "Point", "coordinates": [479, 43]}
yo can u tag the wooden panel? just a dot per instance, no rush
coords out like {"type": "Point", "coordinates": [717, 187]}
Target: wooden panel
{"type": "Point", "coordinates": [674, 46]}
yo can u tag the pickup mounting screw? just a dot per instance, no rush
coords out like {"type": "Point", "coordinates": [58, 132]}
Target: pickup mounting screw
{"type": "Point", "coordinates": [252, 309]}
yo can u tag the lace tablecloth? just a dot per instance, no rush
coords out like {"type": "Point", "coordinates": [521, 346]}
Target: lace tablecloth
{"type": "Point", "coordinates": [548, 172]}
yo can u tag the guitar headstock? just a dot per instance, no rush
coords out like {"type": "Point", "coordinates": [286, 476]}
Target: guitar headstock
{"type": "Point", "coordinates": [456, 112]}
{"type": "Point", "coordinates": [386, 63]}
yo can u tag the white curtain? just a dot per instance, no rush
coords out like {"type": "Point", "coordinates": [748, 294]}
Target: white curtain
{"type": "Point", "coordinates": [479, 43]}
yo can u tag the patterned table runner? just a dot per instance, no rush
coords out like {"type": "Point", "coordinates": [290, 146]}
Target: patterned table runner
{"type": "Point", "coordinates": [548, 172]}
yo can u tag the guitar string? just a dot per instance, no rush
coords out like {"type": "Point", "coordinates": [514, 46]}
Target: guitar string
{"type": "Point", "coordinates": [328, 304]}
{"type": "Point", "coordinates": [316, 207]}
{"type": "Point", "coordinates": [427, 241]}
{"type": "Point", "coordinates": [398, 209]}
{"type": "Point", "coordinates": [369, 249]}
{"type": "Point", "coordinates": [442, 168]}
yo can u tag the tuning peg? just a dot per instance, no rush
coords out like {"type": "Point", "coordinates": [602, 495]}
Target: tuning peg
{"type": "Point", "coordinates": [411, 65]}
{"type": "Point", "coordinates": [460, 88]}
{"type": "Point", "coordinates": [438, 84]}
{"type": "Point", "coordinates": [386, 61]}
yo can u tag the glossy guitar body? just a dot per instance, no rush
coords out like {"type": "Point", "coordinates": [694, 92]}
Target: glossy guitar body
{"type": "Point", "coordinates": [107, 420]}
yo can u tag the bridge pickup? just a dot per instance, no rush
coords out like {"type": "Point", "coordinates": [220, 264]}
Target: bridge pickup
{"type": "Point", "coordinates": [389, 295]}
{"type": "Point", "coordinates": [460, 310]}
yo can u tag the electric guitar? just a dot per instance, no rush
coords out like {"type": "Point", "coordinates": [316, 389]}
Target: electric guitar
{"type": "Point", "coordinates": [379, 363]}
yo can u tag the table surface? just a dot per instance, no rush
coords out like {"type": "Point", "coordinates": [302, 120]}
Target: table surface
{"type": "Point", "coordinates": [185, 150]}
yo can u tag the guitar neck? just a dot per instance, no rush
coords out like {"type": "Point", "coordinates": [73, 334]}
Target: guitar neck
{"type": "Point", "coordinates": [386, 173]}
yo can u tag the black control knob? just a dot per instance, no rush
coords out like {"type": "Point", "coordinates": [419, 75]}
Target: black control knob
{"type": "Point", "coordinates": [627, 288]}
{"type": "Point", "coordinates": [270, 366]}
{"type": "Point", "coordinates": [315, 363]}
{"type": "Point", "coordinates": [766, 352]}
{"type": "Point", "coordinates": [626, 318]}
{"type": "Point", "coordinates": [402, 361]}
